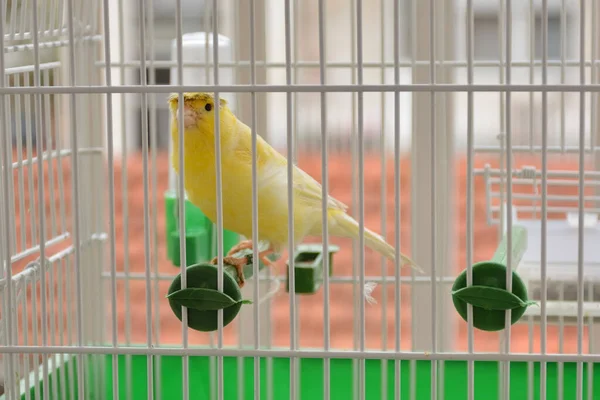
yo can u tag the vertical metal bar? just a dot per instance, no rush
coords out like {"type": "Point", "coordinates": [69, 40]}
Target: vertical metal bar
{"type": "Point", "coordinates": [9, 374]}
{"type": "Point", "coordinates": [563, 57]}
{"type": "Point", "coordinates": [236, 58]}
{"type": "Point", "coordinates": [470, 201]}
{"type": "Point", "coordinates": [241, 375]}
{"type": "Point", "coordinates": [91, 205]}
{"type": "Point", "coordinates": [207, 21]}
{"type": "Point", "coordinates": [592, 326]}
{"type": "Point", "coordinates": [34, 323]}
{"type": "Point", "coordinates": [10, 219]}
{"type": "Point", "coordinates": [530, 365]}
{"type": "Point", "coordinates": [21, 189]}
{"type": "Point", "coordinates": [310, 146]}
{"type": "Point", "coordinates": [241, 387]}
{"type": "Point", "coordinates": [29, 150]}
{"type": "Point", "coordinates": [594, 131]}
{"type": "Point", "coordinates": [263, 77]}
{"type": "Point", "coordinates": [59, 169]}
{"type": "Point", "coordinates": [255, 259]}
{"type": "Point", "coordinates": [593, 96]}
{"type": "Point", "coordinates": [53, 335]}
{"type": "Point", "coordinates": [325, 199]}
{"type": "Point", "coordinates": [531, 78]}
{"type": "Point", "coordinates": [212, 361]}
{"type": "Point", "coordinates": [268, 306]}
{"type": "Point", "coordinates": [413, 298]}
{"type": "Point", "coordinates": [361, 195]}
{"type": "Point", "coordinates": [561, 336]}
{"type": "Point", "coordinates": [544, 226]}
{"type": "Point", "coordinates": [432, 76]}
{"type": "Point", "coordinates": [444, 137]}
{"type": "Point", "coordinates": [397, 226]}
{"type": "Point", "coordinates": [61, 325]}
{"type": "Point", "coordinates": [580, 247]}
{"type": "Point", "coordinates": [154, 199]}
{"type": "Point", "coordinates": [125, 206]}
{"type": "Point", "coordinates": [69, 301]}
{"type": "Point", "coordinates": [111, 199]}
{"type": "Point", "coordinates": [290, 193]}
{"type": "Point", "coordinates": [47, 125]}
{"type": "Point", "coordinates": [219, 188]}
{"type": "Point", "coordinates": [25, 327]}
{"type": "Point", "coordinates": [92, 372]}
{"type": "Point", "coordinates": [295, 80]}
{"type": "Point", "coordinates": [356, 293]}
{"type": "Point", "coordinates": [76, 202]}
{"type": "Point", "coordinates": [509, 160]}
{"type": "Point", "coordinates": [501, 157]}
{"type": "Point", "coordinates": [6, 236]}
{"type": "Point", "coordinates": [181, 200]}
{"type": "Point", "coordinates": [383, 202]}
{"type": "Point", "coordinates": [146, 206]}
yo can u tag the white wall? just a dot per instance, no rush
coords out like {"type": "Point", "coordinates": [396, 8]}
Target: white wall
{"type": "Point", "coordinates": [487, 120]}
{"type": "Point", "coordinates": [339, 50]}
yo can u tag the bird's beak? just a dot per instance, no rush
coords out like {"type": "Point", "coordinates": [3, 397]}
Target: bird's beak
{"type": "Point", "coordinates": [190, 117]}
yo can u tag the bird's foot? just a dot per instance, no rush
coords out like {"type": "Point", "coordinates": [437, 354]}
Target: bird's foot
{"type": "Point", "coordinates": [237, 263]}
{"type": "Point", "coordinates": [240, 262]}
{"type": "Point", "coordinates": [247, 245]}
{"type": "Point", "coordinates": [243, 245]}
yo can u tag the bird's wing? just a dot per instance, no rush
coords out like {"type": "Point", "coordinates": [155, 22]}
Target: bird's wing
{"type": "Point", "coordinates": [309, 190]}
{"type": "Point", "coordinates": [272, 167]}
{"type": "Point", "coordinates": [306, 188]}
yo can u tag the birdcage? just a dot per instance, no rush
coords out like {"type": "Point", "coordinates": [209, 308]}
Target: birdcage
{"type": "Point", "coordinates": [465, 132]}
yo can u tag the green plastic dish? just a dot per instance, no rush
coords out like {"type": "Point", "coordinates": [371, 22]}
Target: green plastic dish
{"type": "Point", "coordinates": [204, 275]}
{"type": "Point", "coordinates": [197, 246]}
{"type": "Point", "coordinates": [492, 274]}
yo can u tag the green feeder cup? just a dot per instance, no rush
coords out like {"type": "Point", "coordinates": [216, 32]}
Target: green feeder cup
{"type": "Point", "coordinates": [197, 246]}
{"type": "Point", "coordinates": [202, 297]}
{"type": "Point", "coordinates": [488, 294]}
{"type": "Point", "coordinates": [199, 230]}
{"type": "Point", "coordinates": [308, 267]}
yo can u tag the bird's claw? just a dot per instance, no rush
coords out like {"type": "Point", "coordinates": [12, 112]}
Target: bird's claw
{"type": "Point", "coordinates": [237, 263]}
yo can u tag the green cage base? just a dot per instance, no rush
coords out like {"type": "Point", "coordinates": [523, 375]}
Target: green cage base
{"type": "Point", "coordinates": [99, 369]}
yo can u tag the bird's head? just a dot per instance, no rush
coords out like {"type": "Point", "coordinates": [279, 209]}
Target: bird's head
{"type": "Point", "coordinates": [198, 111]}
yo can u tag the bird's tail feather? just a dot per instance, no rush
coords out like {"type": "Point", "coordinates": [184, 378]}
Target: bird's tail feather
{"type": "Point", "coordinates": [345, 226]}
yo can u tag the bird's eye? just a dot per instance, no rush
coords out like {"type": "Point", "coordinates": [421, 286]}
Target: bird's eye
{"type": "Point", "coordinates": [208, 107]}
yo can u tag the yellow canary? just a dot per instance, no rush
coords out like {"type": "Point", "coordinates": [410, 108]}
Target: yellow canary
{"type": "Point", "coordinates": [236, 178]}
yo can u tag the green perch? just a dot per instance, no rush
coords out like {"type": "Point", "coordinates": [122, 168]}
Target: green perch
{"type": "Point", "coordinates": [488, 294]}
{"type": "Point", "coordinates": [203, 299]}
